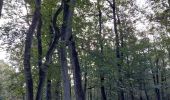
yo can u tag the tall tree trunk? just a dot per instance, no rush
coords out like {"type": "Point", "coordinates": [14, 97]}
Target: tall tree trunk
{"type": "Point", "coordinates": [131, 92]}
{"type": "Point", "coordinates": [156, 81]}
{"type": "Point", "coordinates": [102, 88]}
{"type": "Point", "coordinates": [90, 94]}
{"type": "Point", "coordinates": [64, 72]}
{"type": "Point", "coordinates": [48, 92]}
{"type": "Point", "coordinates": [85, 75]}
{"type": "Point", "coordinates": [48, 60]}
{"type": "Point", "coordinates": [85, 84]}
{"type": "Point", "coordinates": [41, 82]}
{"type": "Point", "coordinates": [156, 89]}
{"type": "Point", "coordinates": [39, 48]}
{"type": "Point", "coordinates": [67, 32]}
{"type": "Point", "coordinates": [27, 52]}
{"type": "Point", "coordinates": [62, 50]}
{"type": "Point", "coordinates": [118, 53]}
{"type": "Point", "coordinates": [58, 91]}
{"type": "Point", "coordinates": [140, 89]}
{"type": "Point", "coordinates": [146, 92]}
{"type": "Point", "coordinates": [76, 71]}
{"type": "Point", "coordinates": [162, 87]}
{"type": "Point", "coordinates": [103, 94]}
{"type": "Point", "coordinates": [163, 80]}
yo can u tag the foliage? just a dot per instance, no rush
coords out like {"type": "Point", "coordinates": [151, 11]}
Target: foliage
{"type": "Point", "coordinates": [143, 36]}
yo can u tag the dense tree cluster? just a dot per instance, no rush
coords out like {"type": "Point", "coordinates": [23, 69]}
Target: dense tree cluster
{"type": "Point", "coordinates": [85, 49]}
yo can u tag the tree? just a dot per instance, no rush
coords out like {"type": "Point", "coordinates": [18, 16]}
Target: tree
{"type": "Point", "coordinates": [86, 50]}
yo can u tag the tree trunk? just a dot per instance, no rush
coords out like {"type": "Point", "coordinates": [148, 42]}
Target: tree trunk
{"type": "Point", "coordinates": [90, 94]}
{"type": "Point", "coordinates": [163, 80]}
{"type": "Point", "coordinates": [103, 94]}
{"type": "Point", "coordinates": [41, 82]}
{"type": "Point", "coordinates": [85, 84]}
{"type": "Point", "coordinates": [27, 52]}
{"type": "Point", "coordinates": [39, 49]}
{"type": "Point", "coordinates": [146, 93]}
{"type": "Point", "coordinates": [48, 60]}
{"type": "Point", "coordinates": [48, 94]}
{"type": "Point", "coordinates": [58, 91]}
{"type": "Point", "coordinates": [156, 81]}
{"type": "Point", "coordinates": [131, 92]}
{"type": "Point", "coordinates": [156, 89]}
{"type": "Point", "coordinates": [118, 55]}
{"type": "Point", "coordinates": [140, 89]}
{"type": "Point", "coordinates": [67, 33]}
{"type": "Point", "coordinates": [64, 73]}
{"type": "Point", "coordinates": [102, 88]}
{"type": "Point", "coordinates": [76, 71]}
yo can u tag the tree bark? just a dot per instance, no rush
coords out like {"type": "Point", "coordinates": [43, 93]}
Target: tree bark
{"type": "Point", "coordinates": [131, 92]}
{"type": "Point", "coordinates": [102, 88]}
{"type": "Point", "coordinates": [146, 92]}
{"type": "Point", "coordinates": [27, 52]}
{"type": "Point", "coordinates": [163, 80]}
{"type": "Point", "coordinates": [68, 39]}
{"type": "Point", "coordinates": [48, 94]}
{"type": "Point", "coordinates": [140, 89]}
{"type": "Point", "coordinates": [39, 49]}
{"type": "Point", "coordinates": [118, 55]}
{"type": "Point", "coordinates": [58, 91]}
{"type": "Point", "coordinates": [85, 83]}
{"type": "Point", "coordinates": [156, 81]}
{"type": "Point", "coordinates": [48, 60]}
{"type": "Point", "coordinates": [90, 94]}
{"type": "Point", "coordinates": [76, 71]}
{"type": "Point", "coordinates": [62, 51]}
{"type": "Point", "coordinates": [64, 72]}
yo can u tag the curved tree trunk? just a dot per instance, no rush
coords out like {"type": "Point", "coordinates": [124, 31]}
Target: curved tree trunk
{"type": "Point", "coordinates": [48, 60]}
{"type": "Point", "coordinates": [27, 52]}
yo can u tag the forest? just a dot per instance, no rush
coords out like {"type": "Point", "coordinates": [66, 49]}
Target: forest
{"type": "Point", "coordinates": [85, 49]}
